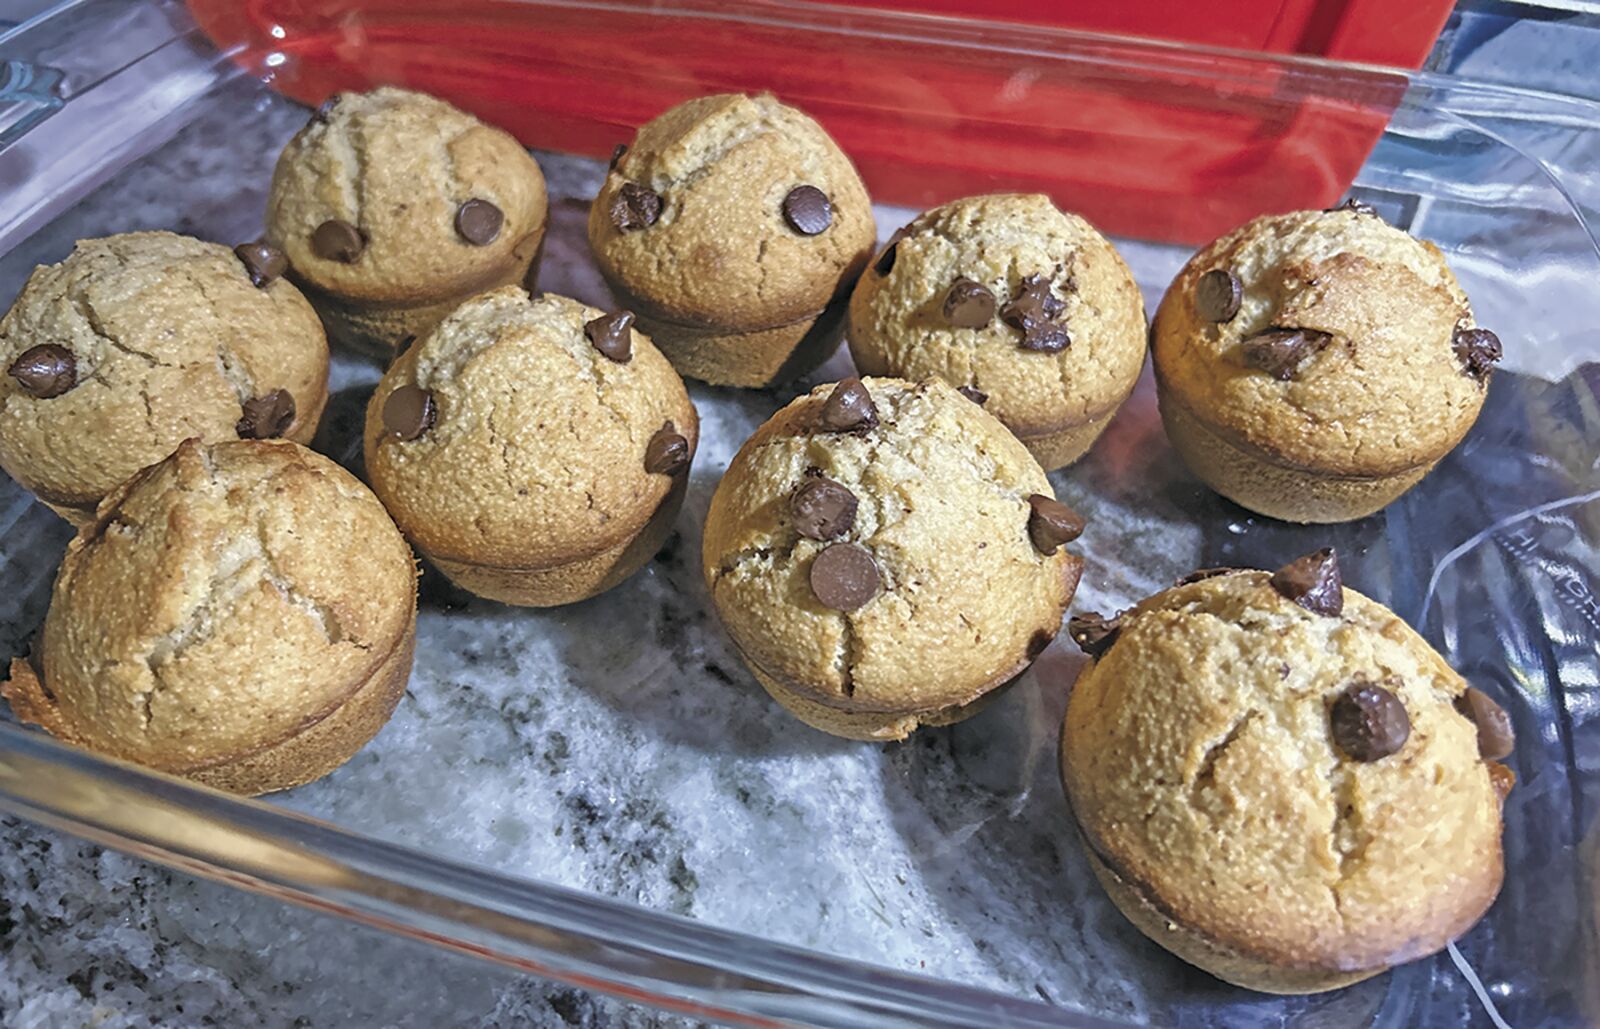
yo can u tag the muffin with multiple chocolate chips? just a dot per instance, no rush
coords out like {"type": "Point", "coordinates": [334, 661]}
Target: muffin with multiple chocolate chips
{"type": "Point", "coordinates": [536, 451]}
{"type": "Point", "coordinates": [393, 207]}
{"type": "Point", "coordinates": [1280, 782]}
{"type": "Point", "coordinates": [137, 342]}
{"type": "Point", "coordinates": [733, 226]}
{"type": "Point", "coordinates": [1027, 309]}
{"type": "Point", "coordinates": [1314, 366]}
{"type": "Point", "coordinates": [886, 555]}
{"type": "Point", "coordinates": [241, 614]}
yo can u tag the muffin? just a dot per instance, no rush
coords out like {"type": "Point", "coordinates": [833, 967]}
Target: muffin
{"type": "Point", "coordinates": [241, 614]}
{"type": "Point", "coordinates": [137, 342]}
{"type": "Point", "coordinates": [886, 555]}
{"type": "Point", "coordinates": [394, 207]}
{"type": "Point", "coordinates": [1026, 309]}
{"type": "Point", "coordinates": [1314, 366]}
{"type": "Point", "coordinates": [733, 226]}
{"type": "Point", "coordinates": [1279, 781]}
{"type": "Point", "coordinates": [536, 451]}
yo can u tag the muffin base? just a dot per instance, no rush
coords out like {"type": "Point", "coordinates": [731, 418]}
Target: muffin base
{"type": "Point", "coordinates": [1060, 447]}
{"type": "Point", "coordinates": [1278, 491]}
{"type": "Point", "coordinates": [765, 357]}
{"type": "Point", "coordinates": [872, 726]}
{"type": "Point", "coordinates": [568, 583]}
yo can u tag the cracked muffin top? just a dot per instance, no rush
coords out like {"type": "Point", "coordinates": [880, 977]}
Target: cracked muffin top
{"type": "Point", "coordinates": [137, 342]}
{"type": "Point", "coordinates": [1284, 767]}
{"type": "Point", "coordinates": [733, 212]}
{"type": "Point", "coordinates": [222, 601]}
{"type": "Point", "coordinates": [395, 195]}
{"type": "Point", "coordinates": [1011, 297]}
{"type": "Point", "coordinates": [879, 545]}
{"type": "Point", "coordinates": [526, 433]}
{"type": "Point", "coordinates": [1327, 340]}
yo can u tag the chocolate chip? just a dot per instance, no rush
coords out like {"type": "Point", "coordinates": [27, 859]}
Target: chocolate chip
{"type": "Point", "coordinates": [1094, 633]}
{"type": "Point", "coordinates": [45, 371]}
{"type": "Point", "coordinates": [1281, 352]}
{"type": "Point", "coordinates": [849, 408]}
{"type": "Point", "coordinates": [1502, 779]}
{"type": "Point", "coordinates": [667, 452]}
{"type": "Point", "coordinates": [325, 109]}
{"type": "Point", "coordinates": [822, 509]}
{"type": "Point", "coordinates": [409, 412]}
{"type": "Point", "coordinates": [1478, 350]}
{"type": "Point", "coordinates": [1051, 523]}
{"type": "Point", "coordinates": [968, 304]}
{"type": "Point", "coordinates": [1496, 739]}
{"type": "Point", "coordinates": [336, 240]}
{"type": "Point", "coordinates": [1202, 574]}
{"type": "Point", "coordinates": [1217, 295]}
{"type": "Point", "coordinates": [1034, 311]}
{"type": "Point", "coordinates": [844, 576]}
{"type": "Point", "coordinates": [265, 263]}
{"type": "Point", "coordinates": [1039, 642]}
{"type": "Point", "coordinates": [885, 262]}
{"type": "Point", "coordinates": [807, 210]}
{"type": "Point", "coordinates": [1313, 582]}
{"type": "Point", "coordinates": [635, 207]}
{"type": "Point", "coordinates": [974, 394]}
{"type": "Point", "coordinates": [1368, 722]}
{"type": "Point", "coordinates": [612, 335]}
{"type": "Point", "coordinates": [1357, 206]}
{"type": "Point", "coordinates": [266, 417]}
{"type": "Point", "coordinates": [616, 155]}
{"type": "Point", "coordinates": [479, 221]}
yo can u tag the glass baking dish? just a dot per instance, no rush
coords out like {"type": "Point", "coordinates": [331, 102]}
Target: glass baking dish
{"type": "Point", "coordinates": [600, 794]}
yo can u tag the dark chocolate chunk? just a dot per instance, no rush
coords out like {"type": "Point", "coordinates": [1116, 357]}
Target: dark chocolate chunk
{"type": "Point", "coordinates": [968, 304]}
{"type": "Point", "coordinates": [1313, 582]}
{"type": "Point", "coordinates": [336, 240]}
{"type": "Point", "coordinates": [808, 210]}
{"type": "Point", "coordinates": [612, 335]}
{"type": "Point", "coordinates": [616, 154]}
{"type": "Point", "coordinates": [1478, 350]}
{"type": "Point", "coordinates": [1094, 633]}
{"type": "Point", "coordinates": [264, 263]}
{"type": "Point", "coordinates": [1502, 779]}
{"type": "Point", "coordinates": [635, 207]}
{"type": "Point", "coordinates": [1051, 523]}
{"type": "Point", "coordinates": [844, 576]}
{"type": "Point", "coordinates": [44, 371]}
{"type": "Point", "coordinates": [1496, 739]}
{"type": "Point", "coordinates": [1368, 722]}
{"type": "Point", "coordinates": [885, 262]}
{"type": "Point", "coordinates": [974, 394]}
{"type": "Point", "coordinates": [479, 221]}
{"type": "Point", "coordinates": [266, 417]}
{"type": "Point", "coordinates": [849, 408]}
{"type": "Point", "coordinates": [822, 509]}
{"type": "Point", "coordinates": [409, 412]}
{"type": "Point", "coordinates": [667, 452]}
{"type": "Point", "coordinates": [1281, 352]}
{"type": "Point", "coordinates": [325, 109]}
{"type": "Point", "coordinates": [1034, 311]}
{"type": "Point", "coordinates": [1357, 206]}
{"type": "Point", "coordinates": [1217, 295]}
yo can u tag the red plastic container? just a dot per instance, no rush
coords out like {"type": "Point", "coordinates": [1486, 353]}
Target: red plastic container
{"type": "Point", "coordinates": [1145, 162]}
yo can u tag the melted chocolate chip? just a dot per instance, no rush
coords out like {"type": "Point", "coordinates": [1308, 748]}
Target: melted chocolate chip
{"type": "Point", "coordinates": [336, 240]}
{"type": "Point", "coordinates": [325, 109]}
{"type": "Point", "coordinates": [635, 207]}
{"type": "Point", "coordinates": [45, 371]}
{"type": "Point", "coordinates": [667, 452]}
{"type": "Point", "coordinates": [974, 394]}
{"type": "Point", "coordinates": [822, 509]}
{"type": "Point", "coordinates": [1217, 295]}
{"type": "Point", "coordinates": [885, 262]}
{"type": "Point", "coordinates": [264, 263]}
{"type": "Point", "coordinates": [1496, 739]}
{"type": "Point", "coordinates": [1281, 352]}
{"type": "Point", "coordinates": [849, 408]}
{"type": "Point", "coordinates": [409, 412]}
{"type": "Point", "coordinates": [844, 576]}
{"type": "Point", "coordinates": [1094, 633]}
{"type": "Point", "coordinates": [1051, 523]}
{"type": "Point", "coordinates": [1357, 206]}
{"type": "Point", "coordinates": [1478, 350]}
{"type": "Point", "coordinates": [612, 335]}
{"type": "Point", "coordinates": [479, 221]}
{"type": "Point", "coordinates": [1313, 582]}
{"type": "Point", "coordinates": [1368, 722]}
{"type": "Point", "coordinates": [808, 210]}
{"type": "Point", "coordinates": [266, 417]}
{"type": "Point", "coordinates": [616, 155]}
{"type": "Point", "coordinates": [968, 304]}
{"type": "Point", "coordinates": [1502, 779]}
{"type": "Point", "coordinates": [1202, 574]}
{"type": "Point", "coordinates": [1034, 311]}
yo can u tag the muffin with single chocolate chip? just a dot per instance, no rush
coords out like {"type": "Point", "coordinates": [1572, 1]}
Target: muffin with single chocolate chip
{"type": "Point", "coordinates": [1314, 366]}
{"type": "Point", "coordinates": [1279, 781]}
{"type": "Point", "coordinates": [886, 555]}
{"type": "Point", "coordinates": [137, 342]}
{"type": "Point", "coordinates": [242, 614]}
{"type": "Point", "coordinates": [536, 451]}
{"type": "Point", "coordinates": [1027, 309]}
{"type": "Point", "coordinates": [394, 207]}
{"type": "Point", "coordinates": [733, 226]}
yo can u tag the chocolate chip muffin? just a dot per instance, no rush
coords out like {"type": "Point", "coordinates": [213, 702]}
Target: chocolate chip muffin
{"type": "Point", "coordinates": [886, 555]}
{"type": "Point", "coordinates": [1314, 366]}
{"type": "Point", "coordinates": [1026, 309]}
{"type": "Point", "coordinates": [394, 207]}
{"type": "Point", "coordinates": [536, 451]}
{"type": "Point", "coordinates": [1280, 782]}
{"type": "Point", "coordinates": [241, 614]}
{"type": "Point", "coordinates": [733, 226]}
{"type": "Point", "coordinates": [137, 342]}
